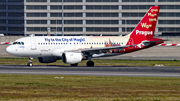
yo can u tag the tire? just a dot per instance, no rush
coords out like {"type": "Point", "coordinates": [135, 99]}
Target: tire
{"type": "Point", "coordinates": [74, 65]}
{"type": "Point", "coordinates": [29, 64]}
{"type": "Point", "coordinates": [90, 64]}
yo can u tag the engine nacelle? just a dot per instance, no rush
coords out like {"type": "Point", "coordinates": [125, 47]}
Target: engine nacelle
{"type": "Point", "coordinates": [47, 59]}
{"type": "Point", "coordinates": [72, 58]}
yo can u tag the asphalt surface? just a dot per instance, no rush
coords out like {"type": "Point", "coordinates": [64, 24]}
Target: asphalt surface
{"type": "Point", "coordinates": [92, 71]}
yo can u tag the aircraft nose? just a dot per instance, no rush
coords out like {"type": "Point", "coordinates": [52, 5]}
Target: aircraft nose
{"type": "Point", "coordinates": [9, 50]}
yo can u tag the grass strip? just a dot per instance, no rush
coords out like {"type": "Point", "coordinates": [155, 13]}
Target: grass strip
{"type": "Point", "coordinates": [119, 62]}
{"type": "Point", "coordinates": [87, 88]}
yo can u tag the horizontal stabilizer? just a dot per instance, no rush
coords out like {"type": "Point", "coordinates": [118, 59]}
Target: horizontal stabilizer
{"type": "Point", "coordinates": [148, 41]}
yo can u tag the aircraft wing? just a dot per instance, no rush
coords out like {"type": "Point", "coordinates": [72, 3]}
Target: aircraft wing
{"type": "Point", "coordinates": [104, 49]}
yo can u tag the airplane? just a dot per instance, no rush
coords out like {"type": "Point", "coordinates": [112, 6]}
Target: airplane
{"type": "Point", "coordinates": [74, 49]}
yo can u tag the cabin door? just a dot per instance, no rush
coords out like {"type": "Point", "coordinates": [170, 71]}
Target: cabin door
{"type": "Point", "coordinates": [131, 42]}
{"type": "Point", "coordinates": [33, 44]}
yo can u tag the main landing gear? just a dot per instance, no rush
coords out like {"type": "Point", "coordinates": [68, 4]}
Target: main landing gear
{"type": "Point", "coordinates": [30, 62]}
{"type": "Point", "coordinates": [90, 64]}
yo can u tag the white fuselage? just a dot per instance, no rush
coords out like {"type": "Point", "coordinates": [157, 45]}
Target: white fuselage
{"type": "Point", "coordinates": [46, 46]}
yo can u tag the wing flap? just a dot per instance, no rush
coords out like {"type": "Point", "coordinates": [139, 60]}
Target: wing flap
{"type": "Point", "coordinates": [105, 48]}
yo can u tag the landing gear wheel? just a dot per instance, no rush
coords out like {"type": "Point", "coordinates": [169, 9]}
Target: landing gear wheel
{"type": "Point", "coordinates": [29, 64]}
{"type": "Point", "coordinates": [90, 64]}
{"type": "Point", "coordinates": [74, 65]}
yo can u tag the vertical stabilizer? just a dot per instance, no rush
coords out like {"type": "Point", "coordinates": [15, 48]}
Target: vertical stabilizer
{"type": "Point", "coordinates": [146, 27]}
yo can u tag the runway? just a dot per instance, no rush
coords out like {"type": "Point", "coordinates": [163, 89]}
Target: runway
{"type": "Point", "coordinates": [92, 71]}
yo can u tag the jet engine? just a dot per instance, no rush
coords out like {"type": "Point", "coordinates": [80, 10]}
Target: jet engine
{"type": "Point", "coordinates": [71, 57]}
{"type": "Point", "coordinates": [47, 59]}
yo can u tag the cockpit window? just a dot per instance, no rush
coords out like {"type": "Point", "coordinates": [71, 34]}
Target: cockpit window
{"type": "Point", "coordinates": [14, 43]}
{"type": "Point", "coordinates": [22, 43]}
{"type": "Point", "coordinates": [18, 43]}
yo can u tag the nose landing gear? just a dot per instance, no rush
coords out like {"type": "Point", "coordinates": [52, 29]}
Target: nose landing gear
{"type": "Point", "coordinates": [30, 62]}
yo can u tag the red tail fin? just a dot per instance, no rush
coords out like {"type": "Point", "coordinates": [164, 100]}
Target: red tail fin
{"type": "Point", "coordinates": [146, 27]}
